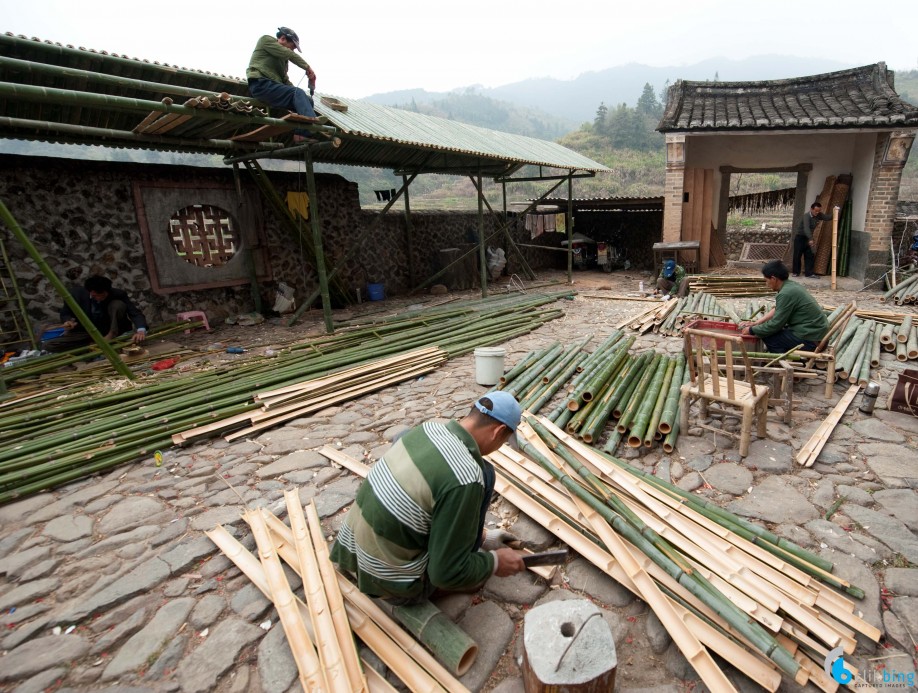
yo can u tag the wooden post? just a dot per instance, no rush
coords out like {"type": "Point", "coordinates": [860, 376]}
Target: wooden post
{"type": "Point", "coordinates": [834, 245]}
{"type": "Point", "coordinates": [569, 223]}
{"type": "Point", "coordinates": [317, 243]}
{"type": "Point", "coordinates": [409, 231]}
{"type": "Point", "coordinates": [482, 264]}
{"type": "Point", "coordinates": [568, 646]}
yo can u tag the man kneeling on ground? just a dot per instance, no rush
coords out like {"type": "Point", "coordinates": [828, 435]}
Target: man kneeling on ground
{"type": "Point", "coordinates": [796, 318]}
{"type": "Point", "coordinates": [418, 522]}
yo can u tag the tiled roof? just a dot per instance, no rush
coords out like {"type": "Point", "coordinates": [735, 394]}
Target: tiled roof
{"type": "Point", "coordinates": [857, 98]}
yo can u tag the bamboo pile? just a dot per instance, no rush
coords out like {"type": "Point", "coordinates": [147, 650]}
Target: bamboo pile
{"type": "Point", "coordinates": [719, 584]}
{"type": "Point", "coordinates": [57, 436]}
{"type": "Point", "coordinates": [321, 631]}
{"type": "Point", "coordinates": [308, 396]}
{"type": "Point", "coordinates": [695, 306]}
{"type": "Point", "coordinates": [650, 319]}
{"type": "Point", "coordinates": [905, 292]}
{"type": "Point", "coordinates": [725, 285]}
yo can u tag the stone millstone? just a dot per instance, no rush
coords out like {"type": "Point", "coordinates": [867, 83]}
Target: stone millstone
{"type": "Point", "coordinates": [549, 629]}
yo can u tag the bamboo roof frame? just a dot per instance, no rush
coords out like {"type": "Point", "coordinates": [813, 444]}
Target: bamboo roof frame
{"type": "Point", "coordinates": [43, 98]}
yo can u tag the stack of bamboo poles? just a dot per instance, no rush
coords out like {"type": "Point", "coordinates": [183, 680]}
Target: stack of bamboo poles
{"type": "Point", "coordinates": [308, 396]}
{"type": "Point", "coordinates": [652, 318]}
{"type": "Point", "coordinates": [639, 395]}
{"type": "Point", "coordinates": [858, 347]}
{"type": "Point", "coordinates": [321, 631]}
{"type": "Point", "coordinates": [728, 286]}
{"type": "Point", "coordinates": [719, 584]}
{"type": "Point", "coordinates": [904, 292]}
{"type": "Point", "coordinates": [695, 306]}
{"type": "Point", "coordinates": [58, 436]}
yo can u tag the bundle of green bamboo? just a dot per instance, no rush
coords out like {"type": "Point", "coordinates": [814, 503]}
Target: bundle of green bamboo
{"type": "Point", "coordinates": [321, 631]}
{"type": "Point", "coordinates": [719, 584]}
{"type": "Point", "coordinates": [308, 396]}
{"type": "Point", "coordinates": [695, 306]}
{"type": "Point", "coordinates": [58, 436]}
{"type": "Point", "coordinates": [728, 285]}
{"type": "Point", "coordinates": [904, 292]}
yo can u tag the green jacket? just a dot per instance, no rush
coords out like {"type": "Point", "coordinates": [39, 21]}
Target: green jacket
{"type": "Point", "coordinates": [796, 310]}
{"type": "Point", "coordinates": [269, 60]}
{"type": "Point", "coordinates": [415, 522]}
{"type": "Point", "coordinates": [676, 279]}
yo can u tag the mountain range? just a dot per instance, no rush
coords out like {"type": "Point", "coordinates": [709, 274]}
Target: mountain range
{"type": "Point", "coordinates": [575, 101]}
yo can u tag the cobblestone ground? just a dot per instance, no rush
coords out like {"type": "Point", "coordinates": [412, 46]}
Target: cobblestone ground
{"type": "Point", "coordinates": [110, 582]}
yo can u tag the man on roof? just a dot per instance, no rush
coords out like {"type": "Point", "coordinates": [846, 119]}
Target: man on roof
{"type": "Point", "coordinates": [417, 525]}
{"type": "Point", "coordinates": [268, 80]}
{"type": "Point", "coordinates": [671, 282]}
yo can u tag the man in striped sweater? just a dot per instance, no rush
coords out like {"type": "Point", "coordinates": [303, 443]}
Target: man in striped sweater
{"type": "Point", "coordinates": [418, 523]}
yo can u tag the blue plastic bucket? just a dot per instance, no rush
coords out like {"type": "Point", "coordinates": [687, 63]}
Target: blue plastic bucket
{"type": "Point", "coordinates": [376, 292]}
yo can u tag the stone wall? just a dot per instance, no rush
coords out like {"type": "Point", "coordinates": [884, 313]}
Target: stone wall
{"type": "Point", "coordinates": [83, 219]}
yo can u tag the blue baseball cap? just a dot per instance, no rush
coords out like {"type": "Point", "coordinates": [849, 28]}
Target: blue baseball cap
{"type": "Point", "coordinates": [669, 268]}
{"type": "Point", "coordinates": [503, 407]}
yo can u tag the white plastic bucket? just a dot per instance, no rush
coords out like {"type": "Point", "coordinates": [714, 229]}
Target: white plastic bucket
{"type": "Point", "coordinates": [489, 365]}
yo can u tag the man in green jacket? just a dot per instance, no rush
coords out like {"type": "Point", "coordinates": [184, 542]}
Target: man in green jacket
{"type": "Point", "coordinates": [418, 522]}
{"type": "Point", "coordinates": [267, 75]}
{"type": "Point", "coordinates": [671, 282]}
{"type": "Point", "coordinates": [796, 318]}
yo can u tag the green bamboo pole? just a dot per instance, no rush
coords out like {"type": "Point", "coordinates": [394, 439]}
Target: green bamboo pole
{"type": "Point", "coordinates": [520, 367]}
{"type": "Point", "coordinates": [451, 645]}
{"type": "Point", "coordinates": [62, 291]}
{"type": "Point", "coordinates": [657, 412]}
{"type": "Point", "coordinates": [671, 406]}
{"type": "Point", "coordinates": [593, 408]}
{"type": "Point", "coordinates": [535, 371]}
{"type": "Point", "coordinates": [552, 388]}
{"type": "Point", "coordinates": [642, 415]}
{"type": "Point", "coordinates": [626, 386]}
{"type": "Point", "coordinates": [641, 392]}
{"type": "Point", "coordinates": [598, 418]}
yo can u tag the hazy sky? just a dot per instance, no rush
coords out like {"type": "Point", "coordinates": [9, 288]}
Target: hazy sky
{"type": "Point", "coordinates": [358, 47]}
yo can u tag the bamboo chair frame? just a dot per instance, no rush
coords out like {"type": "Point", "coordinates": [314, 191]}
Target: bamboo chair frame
{"type": "Point", "coordinates": [823, 355]}
{"type": "Point", "coordinates": [713, 381]}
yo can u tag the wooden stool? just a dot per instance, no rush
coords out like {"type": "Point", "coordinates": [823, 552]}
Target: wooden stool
{"type": "Point", "coordinates": [568, 646]}
{"type": "Point", "coordinates": [190, 315]}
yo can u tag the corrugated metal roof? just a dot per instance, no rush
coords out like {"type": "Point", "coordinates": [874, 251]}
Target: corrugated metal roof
{"type": "Point", "coordinates": [371, 121]}
{"type": "Point", "coordinates": [56, 93]}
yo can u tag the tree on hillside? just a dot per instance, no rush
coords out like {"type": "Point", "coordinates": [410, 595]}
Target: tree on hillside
{"type": "Point", "coordinates": [648, 103]}
{"type": "Point", "coordinates": [599, 122]}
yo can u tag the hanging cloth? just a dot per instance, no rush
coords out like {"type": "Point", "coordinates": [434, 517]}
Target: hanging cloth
{"type": "Point", "coordinates": [298, 203]}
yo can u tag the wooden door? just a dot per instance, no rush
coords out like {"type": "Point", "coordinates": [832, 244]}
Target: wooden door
{"type": "Point", "coordinates": [697, 211]}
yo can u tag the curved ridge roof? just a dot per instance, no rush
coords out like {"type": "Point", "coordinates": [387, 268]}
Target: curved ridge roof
{"type": "Point", "coordinates": [857, 98]}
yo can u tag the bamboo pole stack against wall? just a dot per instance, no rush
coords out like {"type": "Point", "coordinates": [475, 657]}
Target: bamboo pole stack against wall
{"type": "Point", "coordinates": [68, 433]}
{"type": "Point", "coordinates": [719, 584]}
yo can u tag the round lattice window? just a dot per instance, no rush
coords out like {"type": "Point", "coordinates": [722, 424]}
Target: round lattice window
{"type": "Point", "coordinates": [203, 235]}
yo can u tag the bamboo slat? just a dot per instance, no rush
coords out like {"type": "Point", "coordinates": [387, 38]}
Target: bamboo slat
{"type": "Point", "coordinates": [810, 451]}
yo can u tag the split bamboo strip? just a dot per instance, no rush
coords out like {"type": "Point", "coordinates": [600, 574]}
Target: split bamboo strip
{"type": "Point", "coordinates": [252, 569]}
{"type": "Point", "coordinates": [763, 672]}
{"type": "Point", "coordinates": [663, 555]}
{"type": "Point", "coordinates": [313, 676]}
{"type": "Point", "coordinates": [336, 646]}
{"type": "Point", "coordinates": [810, 451]}
{"type": "Point", "coordinates": [357, 603]}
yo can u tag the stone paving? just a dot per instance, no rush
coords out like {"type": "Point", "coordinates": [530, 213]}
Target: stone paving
{"type": "Point", "coordinates": [109, 583]}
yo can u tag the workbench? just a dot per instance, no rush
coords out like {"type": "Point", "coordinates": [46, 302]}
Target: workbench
{"type": "Point", "coordinates": [664, 251]}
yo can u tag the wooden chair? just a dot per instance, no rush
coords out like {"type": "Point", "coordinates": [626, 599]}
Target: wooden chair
{"type": "Point", "coordinates": [713, 380]}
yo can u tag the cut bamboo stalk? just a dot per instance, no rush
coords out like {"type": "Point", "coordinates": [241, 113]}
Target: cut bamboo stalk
{"type": "Point", "coordinates": [252, 569]}
{"type": "Point", "coordinates": [358, 603]}
{"type": "Point", "coordinates": [312, 674]}
{"type": "Point", "coordinates": [334, 633]}
{"type": "Point", "coordinates": [810, 451]}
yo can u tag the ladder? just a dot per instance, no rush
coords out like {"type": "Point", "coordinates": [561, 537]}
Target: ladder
{"type": "Point", "coordinates": [15, 326]}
